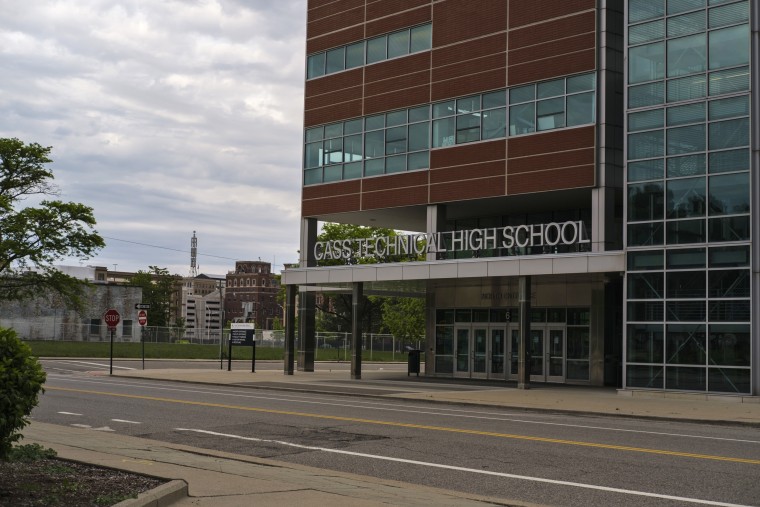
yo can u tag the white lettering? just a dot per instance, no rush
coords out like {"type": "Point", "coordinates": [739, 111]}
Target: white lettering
{"type": "Point", "coordinates": [509, 239]}
{"type": "Point", "coordinates": [522, 244]}
{"type": "Point", "coordinates": [549, 241]}
{"type": "Point", "coordinates": [575, 233]}
{"type": "Point", "coordinates": [537, 235]}
{"type": "Point", "coordinates": [582, 230]}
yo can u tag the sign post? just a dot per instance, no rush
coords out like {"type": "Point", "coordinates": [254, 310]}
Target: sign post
{"type": "Point", "coordinates": [243, 333]}
{"type": "Point", "coordinates": [111, 318]}
{"type": "Point", "coordinates": [142, 319]}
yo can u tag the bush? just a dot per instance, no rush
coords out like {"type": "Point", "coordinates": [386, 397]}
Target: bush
{"type": "Point", "coordinates": [21, 379]}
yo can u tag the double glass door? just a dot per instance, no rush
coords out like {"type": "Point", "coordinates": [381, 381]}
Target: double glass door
{"type": "Point", "coordinates": [546, 349]}
{"type": "Point", "coordinates": [480, 351]}
{"type": "Point", "coordinates": [492, 352]}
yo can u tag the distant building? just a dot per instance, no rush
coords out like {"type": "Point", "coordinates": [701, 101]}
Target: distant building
{"type": "Point", "coordinates": [201, 307]}
{"type": "Point", "coordinates": [251, 294]}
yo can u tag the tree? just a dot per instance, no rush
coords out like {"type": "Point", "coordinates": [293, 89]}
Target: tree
{"type": "Point", "coordinates": [21, 380]}
{"type": "Point", "coordinates": [158, 290]}
{"type": "Point", "coordinates": [404, 318]}
{"type": "Point", "coordinates": [33, 237]}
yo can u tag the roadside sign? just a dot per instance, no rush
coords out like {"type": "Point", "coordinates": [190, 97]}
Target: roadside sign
{"type": "Point", "coordinates": [242, 333]}
{"type": "Point", "coordinates": [142, 317]}
{"type": "Point", "coordinates": [111, 318]}
{"type": "Point", "coordinates": [142, 306]}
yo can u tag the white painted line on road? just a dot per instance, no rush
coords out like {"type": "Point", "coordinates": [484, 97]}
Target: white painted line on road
{"type": "Point", "coordinates": [86, 426]}
{"type": "Point", "coordinates": [125, 421]}
{"type": "Point", "coordinates": [103, 428]}
{"type": "Point", "coordinates": [98, 364]}
{"type": "Point", "coordinates": [389, 407]}
{"type": "Point", "coordinates": [69, 413]}
{"type": "Point", "coordinates": [471, 470]}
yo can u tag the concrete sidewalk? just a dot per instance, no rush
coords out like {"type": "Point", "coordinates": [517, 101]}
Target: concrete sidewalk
{"type": "Point", "coordinates": [222, 479]}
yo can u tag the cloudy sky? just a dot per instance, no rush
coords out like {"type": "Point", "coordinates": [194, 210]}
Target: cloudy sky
{"type": "Point", "coordinates": [166, 117]}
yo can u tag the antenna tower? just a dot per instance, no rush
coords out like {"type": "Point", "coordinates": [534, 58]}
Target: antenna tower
{"type": "Point", "coordinates": [193, 255]}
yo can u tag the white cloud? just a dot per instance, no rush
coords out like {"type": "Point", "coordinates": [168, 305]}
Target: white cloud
{"type": "Point", "coordinates": [165, 117]}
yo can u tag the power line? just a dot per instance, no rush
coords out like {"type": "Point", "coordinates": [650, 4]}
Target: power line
{"type": "Point", "coordinates": [167, 248]}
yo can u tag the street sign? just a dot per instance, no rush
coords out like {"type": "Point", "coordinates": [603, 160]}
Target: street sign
{"type": "Point", "coordinates": [142, 306]}
{"type": "Point", "coordinates": [242, 333]}
{"type": "Point", "coordinates": [142, 317]}
{"type": "Point", "coordinates": [111, 318]}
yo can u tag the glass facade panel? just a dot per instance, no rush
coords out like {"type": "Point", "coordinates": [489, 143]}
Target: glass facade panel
{"type": "Point", "coordinates": [646, 63]}
{"type": "Point", "coordinates": [678, 6]}
{"type": "Point", "coordinates": [646, 95]}
{"type": "Point", "coordinates": [550, 114]}
{"type": "Point", "coordinates": [689, 113]}
{"type": "Point", "coordinates": [687, 55]}
{"type": "Point", "coordinates": [729, 47]}
{"type": "Point", "coordinates": [336, 60]}
{"type": "Point", "coordinates": [645, 201]}
{"type": "Point", "coordinates": [728, 161]}
{"type": "Point", "coordinates": [729, 229]}
{"type": "Point", "coordinates": [377, 49]}
{"type": "Point", "coordinates": [645, 170]}
{"type": "Point", "coordinates": [729, 380]}
{"type": "Point", "coordinates": [729, 134]}
{"type": "Point", "coordinates": [686, 379]}
{"type": "Point", "coordinates": [646, 144]}
{"type": "Point", "coordinates": [642, 10]}
{"type": "Point", "coordinates": [646, 343]}
{"type": "Point", "coordinates": [522, 119]}
{"type": "Point", "coordinates": [689, 165]}
{"type": "Point", "coordinates": [729, 14]}
{"type": "Point", "coordinates": [729, 194]}
{"type": "Point", "coordinates": [646, 32]}
{"type": "Point", "coordinates": [730, 345]}
{"type": "Point", "coordinates": [648, 377]}
{"type": "Point", "coordinates": [686, 139]}
{"type": "Point", "coordinates": [398, 44]}
{"type": "Point", "coordinates": [495, 123]}
{"type": "Point", "coordinates": [687, 88]}
{"type": "Point", "coordinates": [645, 120]}
{"type": "Point", "coordinates": [686, 198]}
{"type": "Point", "coordinates": [729, 81]}
{"type": "Point", "coordinates": [686, 24]}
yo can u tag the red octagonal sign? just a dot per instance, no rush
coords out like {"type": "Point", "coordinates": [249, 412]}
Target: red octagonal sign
{"type": "Point", "coordinates": [142, 317]}
{"type": "Point", "coordinates": [112, 318]}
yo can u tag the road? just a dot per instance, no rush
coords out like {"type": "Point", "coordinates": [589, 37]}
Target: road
{"type": "Point", "coordinates": [541, 457]}
{"type": "Point", "coordinates": [75, 365]}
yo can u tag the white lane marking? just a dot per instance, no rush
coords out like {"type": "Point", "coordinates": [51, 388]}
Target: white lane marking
{"type": "Point", "coordinates": [96, 364]}
{"type": "Point", "coordinates": [103, 428]}
{"type": "Point", "coordinates": [69, 413]}
{"type": "Point", "coordinates": [82, 426]}
{"type": "Point", "coordinates": [471, 470]}
{"type": "Point", "coordinates": [125, 421]}
{"type": "Point", "coordinates": [387, 407]}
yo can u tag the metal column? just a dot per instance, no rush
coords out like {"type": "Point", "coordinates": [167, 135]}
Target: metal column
{"type": "Point", "coordinates": [306, 331]}
{"type": "Point", "coordinates": [523, 361]}
{"type": "Point", "coordinates": [356, 330]}
{"type": "Point", "coordinates": [290, 328]}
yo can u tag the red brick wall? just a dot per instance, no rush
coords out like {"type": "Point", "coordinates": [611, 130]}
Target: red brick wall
{"type": "Point", "coordinates": [478, 46]}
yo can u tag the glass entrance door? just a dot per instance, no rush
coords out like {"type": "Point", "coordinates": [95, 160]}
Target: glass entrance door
{"type": "Point", "coordinates": [536, 353]}
{"type": "Point", "coordinates": [479, 351]}
{"type": "Point", "coordinates": [462, 352]}
{"type": "Point", "coordinates": [555, 355]}
{"type": "Point", "coordinates": [498, 348]}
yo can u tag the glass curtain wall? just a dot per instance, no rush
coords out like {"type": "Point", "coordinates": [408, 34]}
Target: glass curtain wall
{"type": "Point", "coordinates": [688, 208]}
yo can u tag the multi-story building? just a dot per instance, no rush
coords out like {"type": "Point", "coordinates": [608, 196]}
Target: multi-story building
{"type": "Point", "coordinates": [252, 295]}
{"type": "Point", "coordinates": [202, 298]}
{"type": "Point", "coordinates": [578, 174]}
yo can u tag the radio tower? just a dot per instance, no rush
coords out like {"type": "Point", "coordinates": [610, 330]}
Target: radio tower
{"type": "Point", "coordinates": [193, 255]}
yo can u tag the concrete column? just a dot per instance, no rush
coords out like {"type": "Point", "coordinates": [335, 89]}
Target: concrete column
{"type": "Point", "coordinates": [306, 331]}
{"type": "Point", "coordinates": [290, 328]}
{"type": "Point", "coordinates": [356, 330]}
{"type": "Point", "coordinates": [523, 363]}
{"type": "Point", "coordinates": [307, 300]}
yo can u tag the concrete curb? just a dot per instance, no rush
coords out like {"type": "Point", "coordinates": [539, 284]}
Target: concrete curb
{"type": "Point", "coordinates": [162, 496]}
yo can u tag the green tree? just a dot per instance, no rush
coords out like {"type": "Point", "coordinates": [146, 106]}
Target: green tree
{"type": "Point", "coordinates": [21, 380]}
{"type": "Point", "coordinates": [159, 290]}
{"type": "Point", "coordinates": [33, 237]}
{"type": "Point", "coordinates": [404, 318]}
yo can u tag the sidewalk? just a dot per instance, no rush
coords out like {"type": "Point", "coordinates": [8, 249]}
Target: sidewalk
{"type": "Point", "coordinates": [215, 478]}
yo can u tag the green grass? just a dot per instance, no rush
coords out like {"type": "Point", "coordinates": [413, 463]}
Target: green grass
{"type": "Point", "coordinates": [186, 351]}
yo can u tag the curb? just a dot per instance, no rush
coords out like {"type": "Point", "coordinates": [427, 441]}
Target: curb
{"type": "Point", "coordinates": [161, 496]}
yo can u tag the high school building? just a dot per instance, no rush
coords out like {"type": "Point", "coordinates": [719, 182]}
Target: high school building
{"type": "Point", "coordinates": [578, 174]}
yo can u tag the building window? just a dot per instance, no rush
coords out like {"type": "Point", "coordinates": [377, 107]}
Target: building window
{"type": "Point", "coordinates": [377, 49]}
{"type": "Point", "coordinates": [126, 327]}
{"type": "Point", "coordinates": [400, 141]}
{"type": "Point", "coordinates": [95, 326]}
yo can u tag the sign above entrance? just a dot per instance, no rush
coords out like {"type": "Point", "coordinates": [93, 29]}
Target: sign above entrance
{"type": "Point", "coordinates": [521, 236]}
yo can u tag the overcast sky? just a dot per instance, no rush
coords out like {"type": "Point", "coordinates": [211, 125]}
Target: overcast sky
{"type": "Point", "coordinates": [166, 117]}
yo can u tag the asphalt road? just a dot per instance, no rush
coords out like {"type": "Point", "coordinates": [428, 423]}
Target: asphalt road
{"type": "Point", "coordinates": [536, 457]}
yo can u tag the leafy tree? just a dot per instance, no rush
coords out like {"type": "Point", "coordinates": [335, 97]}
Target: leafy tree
{"type": "Point", "coordinates": [159, 290]}
{"type": "Point", "coordinates": [21, 380]}
{"type": "Point", "coordinates": [404, 318]}
{"type": "Point", "coordinates": [33, 237]}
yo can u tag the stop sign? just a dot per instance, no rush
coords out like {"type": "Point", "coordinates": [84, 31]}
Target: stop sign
{"type": "Point", "coordinates": [142, 317]}
{"type": "Point", "coordinates": [112, 318]}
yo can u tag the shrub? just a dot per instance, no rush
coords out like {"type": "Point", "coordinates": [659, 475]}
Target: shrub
{"type": "Point", "coordinates": [21, 379]}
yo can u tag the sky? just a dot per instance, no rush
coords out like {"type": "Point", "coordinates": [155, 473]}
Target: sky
{"type": "Point", "coordinates": [166, 117]}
